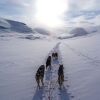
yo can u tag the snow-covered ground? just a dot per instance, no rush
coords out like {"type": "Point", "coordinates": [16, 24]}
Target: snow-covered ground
{"type": "Point", "coordinates": [81, 58]}
{"type": "Point", "coordinates": [20, 59]}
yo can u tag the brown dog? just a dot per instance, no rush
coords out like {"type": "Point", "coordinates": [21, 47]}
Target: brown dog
{"type": "Point", "coordinates": [40, 75]}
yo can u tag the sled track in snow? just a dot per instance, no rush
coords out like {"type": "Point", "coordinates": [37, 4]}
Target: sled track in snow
{"type": "Point", "coordinates": [50, 90]}
{"type": "Point", "coordinates": [95, 62]}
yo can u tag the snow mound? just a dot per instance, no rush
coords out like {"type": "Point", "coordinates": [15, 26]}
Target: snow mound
{"type": "Point", "coordinates": [65, 36]}
{"type": "Point", "coordinates": [79, 32]}
{"type": "Point", "coordinates": [41, 31]}
{"type": "Point", "coordinates": [32, 36]}
{"type": "Point", "coordinates": [73, 33]}
{"type": "Point", "coordinates": [93, 29]}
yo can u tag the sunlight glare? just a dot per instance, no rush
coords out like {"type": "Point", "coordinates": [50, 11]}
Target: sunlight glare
{"type": "Point", "coordinates": [49, 12]}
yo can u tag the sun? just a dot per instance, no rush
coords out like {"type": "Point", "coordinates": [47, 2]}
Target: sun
{"type": "Point", "coordinates": [49, 12]}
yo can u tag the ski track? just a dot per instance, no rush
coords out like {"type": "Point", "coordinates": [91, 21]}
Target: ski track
{"type": "Point", "coordinates": [78, 53]}
{"type": "Point", "coordinates": [50, 90]}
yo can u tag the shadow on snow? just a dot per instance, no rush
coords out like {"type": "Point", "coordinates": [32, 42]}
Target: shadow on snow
{"type": "Point", "coordinates": [38, 94]}
{"type": "Point", "coordinates": [64, 95]}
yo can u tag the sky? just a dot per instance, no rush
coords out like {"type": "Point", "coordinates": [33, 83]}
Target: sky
{"type": "Point", "coordinates": [74, 12]}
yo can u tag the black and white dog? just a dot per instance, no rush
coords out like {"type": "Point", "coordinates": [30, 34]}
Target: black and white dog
{"type": "Point", "coordinates": [60, 75]}
{"type": "Point", "coordinates": [48, 62]}
{"type": "Point", "coordinates": [55, 55]}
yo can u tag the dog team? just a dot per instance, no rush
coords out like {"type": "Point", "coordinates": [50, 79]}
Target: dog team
{"type": "Point", "coordinates": [41, 70]}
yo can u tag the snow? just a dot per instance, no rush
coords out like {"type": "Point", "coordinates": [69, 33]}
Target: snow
{"type": "Point", "coordinates": [81, 58]}
{"type": "Point", "coordinates": [20, 59]}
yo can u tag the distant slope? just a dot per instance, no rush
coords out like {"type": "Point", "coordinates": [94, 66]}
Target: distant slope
{"type": "Point", "coordinates": [79, 31]}
{"type": "Point", "coordinates": [19, 27]}
{"type": "Point", "coordinates": [13, 26]}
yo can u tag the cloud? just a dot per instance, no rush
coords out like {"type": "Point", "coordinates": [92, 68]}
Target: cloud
{"type": "Point", "coordinates": [21, 3]}
{"type": "Point", "coordinates": [82, 21]}
{"type": "Point", "coordinates": [80, 12]}
{"type": "Point", "coordinates": [84, 5]}
{"type": "Point", "coordinates": [17, 9]}
{"type": "Point", "coordinates": [11, 7]}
